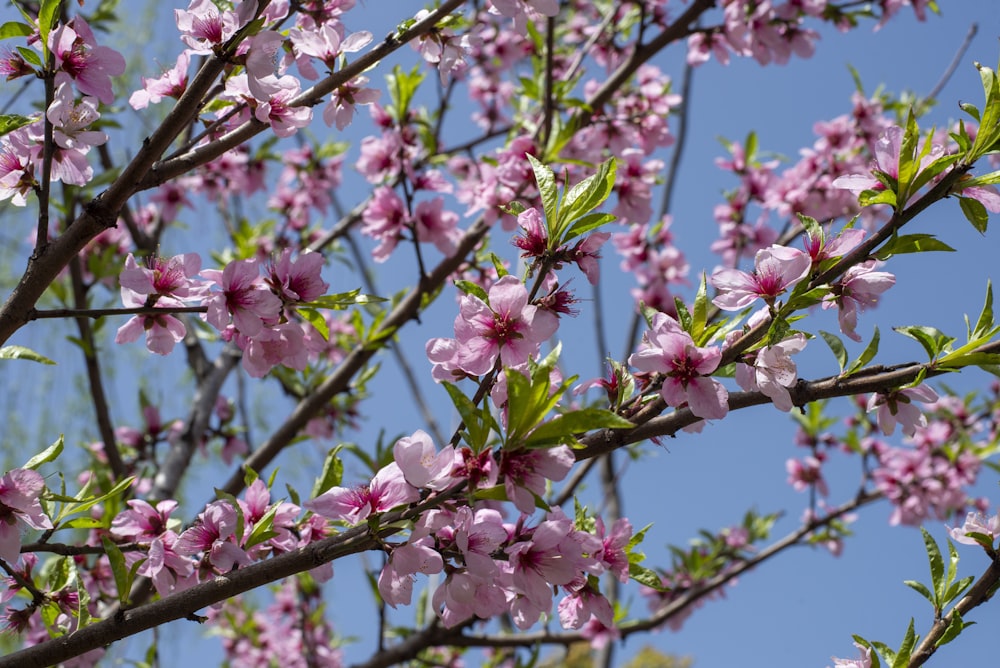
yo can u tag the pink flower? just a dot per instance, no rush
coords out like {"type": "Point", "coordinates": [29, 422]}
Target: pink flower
{"type": "Point", "coordinates": [142, 522]}
{"type": "Point", "coordinates": [162, 331]}
{"type": "Point", "coordinates": [432, 223]}
{"type": "Point", "coordinates": [865, 661]}
{"type": "Point", "coordinates": [857, 290]}
{"type": "Point", "coordinates": [395, 583]}
{"type": "Point", "coordinates": [214, 533]}
{"type": "Point", "coordinates": [526, 473]}
{"type": "Point", "coordinates": [897, 406]}
{"type": "Point", "coordinates": [298, 281]}
{"type": "Point", "coordinates": [507, 328]}
{"type": "Point", "coordinates": [578, 607]}
{"type": "Point", "coordinates": [78, 56]}
{"type": "Point", "coordinates": [384, 218]}
{"type": "Point", "coordinates": [204, 26]}
{"type": "Point", "coordinates": [70, 120]}
{"type": "Point", "coordinates": [339, 110]}
{"type": "Point", "coordinates": [887, 149]}
{"type": "Point", "coordinates": [585, 254]}
{"type": "Point", "coordinates": [772, 371]}
{"type": "Point", "coordinates": [422, 465]}
{"type": "Point", "coordinates": [387, 490]}
{"type": "Point", "coordinates": [976, 523]}
{"type": "Point", "coordinates": [776, 268]}
{"type": "Point", "coordinates": [170, 280]}
{"type": "Point", "coordinates": [804, 473]}
{"type": "Point", "coordinates": [822, 248]}
{"type": "Point", "coordinates": [285, 119]}
{"type": "Point", "coordinates": [668, 349]}
{"type": "Point", "coordinates": [172, 83]}
{"type": "Point", "coordinates": [19, 507]}
{"type": "Point", "coordinates": [613, 555]}
{"type": "Point", "coordinates": [243, 296]}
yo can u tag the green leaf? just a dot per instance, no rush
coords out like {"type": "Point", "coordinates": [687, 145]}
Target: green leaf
{"type": "Point", "coordinates": [78, 505]}
{"type": "Point", "coordinates": [975, 213]}
{"type": "Point", "coordinates": [956, 589]}
{"type": "Point", "coordinates": [561, 428]}
{"type": "Point", "coordinates": [902, 658]}
{"type": "Point", "coordinates": [921, 589]}
{"type": "Point", "coordinates": [985, 322]}
{"type": "Point", "coordinates": [955, 627]}
{"type": "Point", "coordinates": [498, 265]}
{"type": "Point", "coordinates": [989, 127]}
{"type": "Point", "coordinates": [342, 300]}
{"type": "Point", "coordinates": [479, 424]}
{"type": "Point", "coordinates": [546, 181]}
{"type": "Point", "coordinates": [871, 197]}
{"type": "Point", "coordinates": [49, 454]}
{"type": "Point", "coordinates": [909, 164]}
{"type": "Point", "coordinates": [866, 356]}
{"type": "Point", "coordinates": [22, 353]}
{"type": "Point", "coordinates": [586, 223]}
{"type": "Point", "coordinates": [474, 289]}
{"type": "Point", "coordinates": [646, 576]}
{"type": "Point", "coordinates": [48, 14]}
{"type": "Point", "coordinates": [872, 646]}
{"type": "Point", "coordinates": [699, 316]}
{"type": "Point", "coordinates": [402, 85]}
{"type": "Point", "coordinates": [911, 243]}
{"type": "Point", "coordinates": [937, 567]}
{"type": "Point", "coordinates": [933, 340]}
{"type": "Point", "coordinates": [332, 473]}
{"type": "Point", "coordinates": [118, 569]}
{"type": "Point", "coordinates": [15, 29]}
{"type": "Point", "coordinates": [316, 319]}
{"type": "Point", "coordinates": [587, 195]}
{"type": "Point", "coordinates": [837, 346]}
{"type": "Point", "coordinates": [263, 529]}
{"type": "Point", "coordinates": [29, 55]}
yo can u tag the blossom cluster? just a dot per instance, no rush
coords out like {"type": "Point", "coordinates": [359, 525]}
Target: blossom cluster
{"type": "Point", "coordinates": [250, 310]}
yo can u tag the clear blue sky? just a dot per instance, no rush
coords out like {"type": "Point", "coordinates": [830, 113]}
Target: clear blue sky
{"type": "Point", "coordinates": [803, 607]}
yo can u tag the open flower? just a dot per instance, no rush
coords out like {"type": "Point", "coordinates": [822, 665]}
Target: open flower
{"type": "Point", "coordinates": [776, 268]}
{"type": "Point", "coordinates": [668, 349]}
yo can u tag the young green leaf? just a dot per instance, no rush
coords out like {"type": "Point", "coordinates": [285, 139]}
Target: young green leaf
{"type": "Point", "coordinates": [975, 213]}
{"type": "Point", "coordinates": [561, 428]}
{"type": "Point", "coordinates": [837, 346]}
{"type": "Point", "coordinates": [118, 569]}
{"type": "Point", "coordinates": [546, 181]}
{"type": "Point", "coordinates": [937, 568]}
{"type": "Point", "coordinates": [49, 454]}
{"type": "Point", "coordinates": [866, 356]}
{"type": "Point", "coordinates": [22, 353]}
{"type": "Point", "coordinates": [15, 29]}
{"type": "Point", "coordinates": [911, 243]}
{"type": "Point", "coordinates": [332, 473]}
{"type": "Point", "coordinates": [933, 341]}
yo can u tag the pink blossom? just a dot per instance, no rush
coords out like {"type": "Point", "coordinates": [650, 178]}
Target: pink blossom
{"type": "Point", "coordinates": [507, 328]}
{"type": "Point", "coordinates": [70, 120]}
{"type": "Point", "coordinates": [141, 522]}
{"type": "Point", "coordinates": [386, 490]}
{"type": "Point", "coordinates": [806, 473]}
{"type": "Point", "coordinates": [204, 26]}
{"type": "Point", "coordinates": [172, 83]}
{"type": "Point", "coordinates": [422, 465]}
{"type": "Point", "coordinates": [339, 110]}
{"type": "Point", "coordinates": [214, 533]}
{"type": "Point", "coordinates": [886, 149]}
{"type": "Point", "coordinates": [976, 523]}
{"type": "Point", "coordinates": [434, 224]}
{"type": "Point", "coordinates": [243, 296]}
{"type": "Point", "coordinates": [577, 608]}
{"type": "Point", "coordinates": [613, 554]}
{"type": "Point", "coordinates": [283, 343]}
{"type": "Point", "coordinates": [162, 331]}
{"type": "Point", "coordinates": [285, 119]}
{"type": "Point", "coordinates": [298, 281]}
{"type": "Point", "coordinates": [78, 56]}
{"type": "Point", "coordinates": [395, 583]}
{"type": "Point", "coordinates": [771, 371]}
{"type": "Point", "coordinates": [864, 661]}
{"type": "Point", "coordinates": [666, 348]}
{"type": "Point", "coordinates": [19, 507]}
{"type": "Point", "coordinates": [857, 290]}
{"type": "Point", "coordinates": [526, 473]}
{"type": "Point", "coordinates": [897, 406]}
{"type": "Point", "coordinates": [776, 268]}
{"type": "Point", "coordinates": [821, 248]}
{"type": "Point", "coordinates": [171, 280]}
{"type": "Point", "coordinates": [384, 218]}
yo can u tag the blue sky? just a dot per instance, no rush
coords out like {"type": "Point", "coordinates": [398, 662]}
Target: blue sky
{"type": "Point", "coordinates": [804, 606]}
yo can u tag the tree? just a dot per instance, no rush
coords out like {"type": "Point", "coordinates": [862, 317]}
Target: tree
{"type": "Point", "coordinates": [233, 231]}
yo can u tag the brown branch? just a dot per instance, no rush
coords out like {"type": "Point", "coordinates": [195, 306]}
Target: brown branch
{"type": "Point", "coordinates": [804, 392]}
{"type": "Point", "coordinates": [981, 592]}
{"type": "Point", "coordinates": [35, 314]}
{"type": "Point", "coordinates": [186, 603]}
